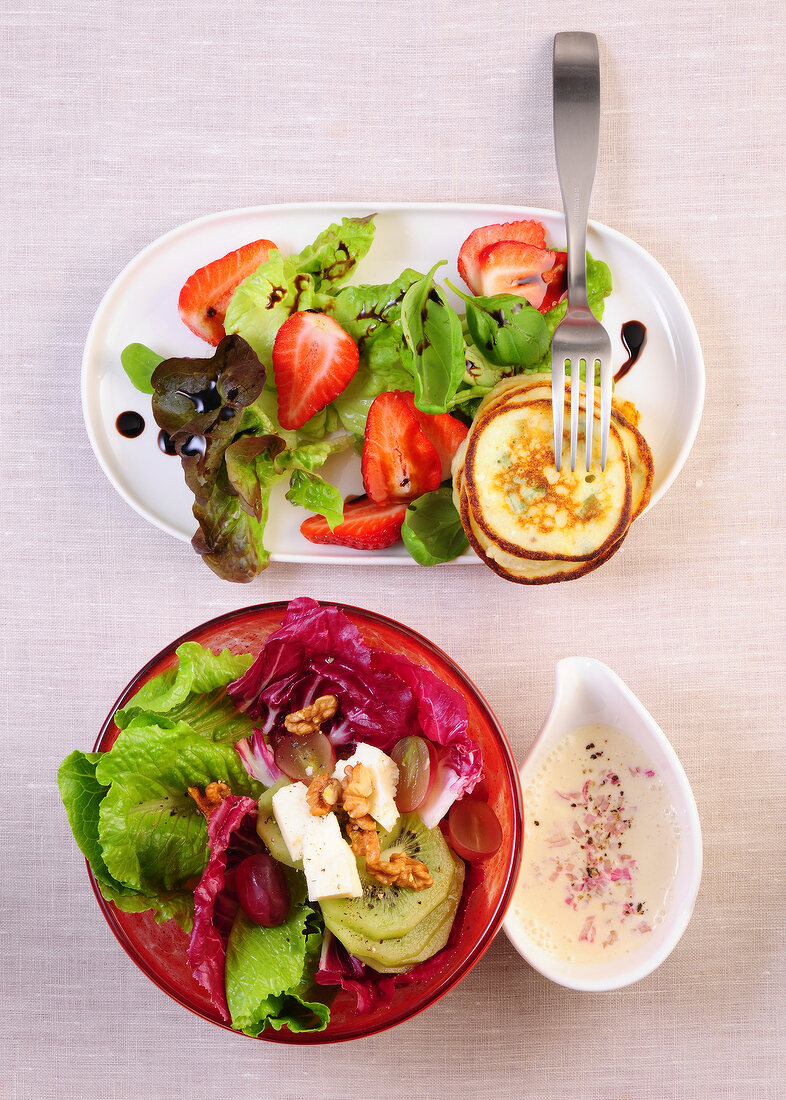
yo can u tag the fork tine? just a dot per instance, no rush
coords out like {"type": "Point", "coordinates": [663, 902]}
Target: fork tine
{"type": "Point", "coordinates": [558, 407]}
{"type": "Point", "coordinates": [590, 421]}
{"type": "Point", "coordinates": [575, 393]}
{"type": "Point", "coordinates": [606, 382]}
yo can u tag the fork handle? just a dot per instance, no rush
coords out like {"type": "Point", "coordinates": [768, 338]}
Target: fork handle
{"type": "Point", "coordinates": [576, 77]}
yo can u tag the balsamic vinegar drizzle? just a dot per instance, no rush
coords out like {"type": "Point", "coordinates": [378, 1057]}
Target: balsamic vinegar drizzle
{"type": "Point", "coordinates": [634, 336]}
{"type": "Point", "coordinates": [130, 424]}
{"type": "Point", "coordinates": [165, 443]}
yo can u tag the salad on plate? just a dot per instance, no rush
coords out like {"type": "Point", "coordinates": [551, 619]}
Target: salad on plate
{"type": "Point", "coordinates": [306, 365]}
{"type": "Point", "coordinates": [313, 815]}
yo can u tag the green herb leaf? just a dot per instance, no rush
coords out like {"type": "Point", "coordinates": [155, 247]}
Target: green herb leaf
{"type": "Point", "coordinates": [432, 531]}
{"type": "Point", "coordinates": [434, 344]}
{"type": "Point", "coordinates": [506, 329]}
{"type": "Point", "coordinates": [139, 362]}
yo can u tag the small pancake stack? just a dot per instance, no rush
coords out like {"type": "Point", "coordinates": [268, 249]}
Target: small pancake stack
{"type": "Point", "coordinates": [526, 521]}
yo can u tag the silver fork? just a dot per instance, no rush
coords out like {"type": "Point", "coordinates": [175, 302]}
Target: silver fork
{"type": "Point", "coordinates": [579, 336]}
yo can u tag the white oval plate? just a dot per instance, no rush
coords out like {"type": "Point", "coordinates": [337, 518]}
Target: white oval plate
{"type": "Point", "coordinates": [667, 384]}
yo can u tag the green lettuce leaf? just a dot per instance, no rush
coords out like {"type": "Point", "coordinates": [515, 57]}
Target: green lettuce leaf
{"type": "Point", "coordinates": [82, 795]}
{"type": "Point", "coordinates": [336, 252]}
{"type": "Point", "coordinates": [370, 381]}
{"type": "Point", "coordinates": [365, 312]}
{"type": "Point", "coordinates": [317, 495]}
{"type": "Point", "coordinates": [268, 973]}
{"type": "Point", "coordinates": [264, 300]}
{"type": "Point", "coordinates": [285, 285]}
{"type": "Point", "coordinates": [194, 691]}
{"type": "Point", "coordinates": [152, 835]}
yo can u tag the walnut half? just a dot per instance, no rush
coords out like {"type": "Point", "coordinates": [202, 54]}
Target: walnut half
{"type": "Point", "coordinates": [323, 795]}
{"type": "Point", "coordinates": [214, 794]}
{"type": "Point", "coordinates": [309, 719]}
{"type": "Point", "coordinates": [401, 870]}
{"type": "Point", "coordinates": [356, 791]}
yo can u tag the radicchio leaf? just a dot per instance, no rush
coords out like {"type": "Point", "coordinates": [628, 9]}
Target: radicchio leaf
{"type": "Point", "coordinates": [215, 902]}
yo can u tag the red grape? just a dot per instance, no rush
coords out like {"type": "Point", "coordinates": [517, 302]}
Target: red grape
{"type": "Point", "coordinates": [475, 831]}
{"type": "Point", "coordinates": [262, 890]}
{"type": "Point", "coordinates": [416, 759]}
{"type": "Point", "coordinates": [304, 758]}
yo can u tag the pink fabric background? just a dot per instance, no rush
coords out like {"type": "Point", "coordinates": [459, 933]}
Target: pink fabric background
{"type": "Point", "coordinates": [124, 120]}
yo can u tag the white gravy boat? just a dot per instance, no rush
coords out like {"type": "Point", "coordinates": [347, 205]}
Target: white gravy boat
{"type": "Point", "coordinates": [586, 693]}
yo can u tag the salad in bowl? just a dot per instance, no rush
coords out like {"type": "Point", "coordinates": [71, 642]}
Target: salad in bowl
{"type": "Point", "coordinates": [302, 822]}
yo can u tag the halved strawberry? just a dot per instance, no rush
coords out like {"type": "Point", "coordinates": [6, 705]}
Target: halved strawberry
{"type": "Point", "coordinates": [313, 361]}
{"type": "Point", "coordinates": [443, 430]}
{"type": "Point", "coordinates": [366, 526]}
{"type": "Point", "coordinates": [537, 274]}
{"type": "Point", "coordinates": [205, 295]}
{"type": "Point", "coordinates": [399, 462]}
{"type": "Point", "coordinates": [469, 256]}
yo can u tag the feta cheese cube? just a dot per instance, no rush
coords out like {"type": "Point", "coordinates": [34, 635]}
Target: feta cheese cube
{"type": "Point", "coordinates": [292, 815]}
{"type": "Point", "coordinates": [328, 861]}
{"type": "Point", "coordinates": [384, 778]}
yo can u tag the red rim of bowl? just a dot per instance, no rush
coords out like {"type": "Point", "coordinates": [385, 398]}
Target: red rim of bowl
{"type": "Point", "coordinates": [494, 924]}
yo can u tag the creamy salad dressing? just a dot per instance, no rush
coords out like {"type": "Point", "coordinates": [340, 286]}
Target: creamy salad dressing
{"type": "Point", "coordinates": [600, 850]}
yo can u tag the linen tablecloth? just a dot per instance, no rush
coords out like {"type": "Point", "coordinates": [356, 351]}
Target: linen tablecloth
{"type": "Point", "coordinates": [121, 121]}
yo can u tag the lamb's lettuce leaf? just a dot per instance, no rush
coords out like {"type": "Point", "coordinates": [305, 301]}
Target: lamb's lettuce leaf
{"type": "Point", "coordinates": [432, 530]}
{"type": "Point", "coordinates": [139, 362]}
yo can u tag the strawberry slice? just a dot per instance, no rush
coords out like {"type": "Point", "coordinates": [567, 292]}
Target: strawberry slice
{"type": "Point", "coordinates": [443, 430]}
{"type": "Point", "coordinates": [469, 256]}
{"type": "Point", "coordinates": [537, 274]}
{"type": "Point", "coordinates": [399, 461]}
{"type": "Point", "coordinates": [205, 295]}
{"type": "Point", "coordinates": [366, 526]}
{"type": "Point", "coordinates": [313, 361]}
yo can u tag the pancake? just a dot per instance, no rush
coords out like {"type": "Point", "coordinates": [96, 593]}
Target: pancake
{"type": "Point", "coordinates": [521, 570]}
{"type": "Point", "coordinates": [638, 451]}
{"type": "Point", "coordinates": [524, 506]}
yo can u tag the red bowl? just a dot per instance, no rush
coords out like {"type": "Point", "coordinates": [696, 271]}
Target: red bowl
{"type": "Point", "coordinates": [160, 950]}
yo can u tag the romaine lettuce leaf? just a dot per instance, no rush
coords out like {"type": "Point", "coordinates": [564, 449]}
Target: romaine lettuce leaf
{"type": "Point", "coordinates": [82, 795]}
{"type": "Point", "coordinates": [268, 972]}
{"type": "Point", "coordinates": [194, 691]}
{"type": "Point", "coordinates": [152, 835]}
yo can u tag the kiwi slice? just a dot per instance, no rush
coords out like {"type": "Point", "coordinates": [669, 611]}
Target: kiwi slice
{"type": "Point", "coordinates": [429, 936]}
{"type": "Point", "coordinates": [268, 830]}
{"type": "Point", "coordinates": [389, 912]}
